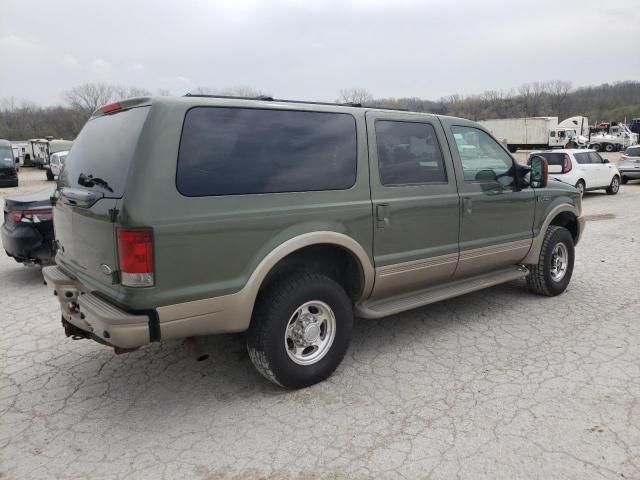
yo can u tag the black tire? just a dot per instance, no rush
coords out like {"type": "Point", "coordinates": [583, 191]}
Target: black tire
{"type": "Point", "coordinates": [50, 175]}
{"type": "Point", "coordinates": [614, 187]}
{"type": "Point", "coordinates": [624, 180]}
{"type": "Point", "coordinates": [540, 279]}
{"type": "Point", "coordinates": [572, 145]}
{"type": "Point", "coordinates": [608, 147]}
{"type": "Point", "coordinates": [596, 147]}
{"type": "Point", "coordinates": [271, 316]}
{"type": "Point", "coordinates": [581, 186]}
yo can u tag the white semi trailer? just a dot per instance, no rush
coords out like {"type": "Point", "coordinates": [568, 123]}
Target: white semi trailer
{"type": "Point", "coordinates": [540, 132]}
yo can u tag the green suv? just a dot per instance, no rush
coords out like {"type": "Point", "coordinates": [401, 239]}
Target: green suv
{"type": "Point", "coordinates": [180, 217]}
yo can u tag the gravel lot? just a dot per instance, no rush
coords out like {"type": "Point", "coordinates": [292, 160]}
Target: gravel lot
{"type": "Point", "coordinates": [495, 384]}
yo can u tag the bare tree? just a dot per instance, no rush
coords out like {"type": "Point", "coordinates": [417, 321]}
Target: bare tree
{"type": "Point", "coordinates": [236, 91]}
{"type": "Point", "coordinates": [88, 97]}
{"type": "Point", "coordinates": [558, 91]}
{"type": "Point", "coordinates": [355, 95]}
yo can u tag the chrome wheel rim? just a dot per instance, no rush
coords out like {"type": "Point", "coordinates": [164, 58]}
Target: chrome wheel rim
{"type": "Point", "coordinates": [310, 332]}
{"type": "Point", "coordinates": [559, 262]}
{"type": "Point", "coordinates": [615, 184]}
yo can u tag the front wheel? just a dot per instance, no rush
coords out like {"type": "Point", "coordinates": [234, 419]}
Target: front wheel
{"type": "Point", "coordinates": [552, 274]}
{"type": "Point", "coordinates": [581, 187]}
{"type": "Point", "coordinates": [300, 330]}
{"type": "Point", "coordinates": [613, 188]}
{"type": "Point", "coordinates": [596, 146]}
{"type": "Point", "coordinates": [609, 148]}
{"type": "Point", "coordinates": [50, 175]}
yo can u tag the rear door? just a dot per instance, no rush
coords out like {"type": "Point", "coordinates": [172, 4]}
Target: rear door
{"type": "Point", "coordinates": [496, 223]}
{"type": "Point", "coordinates": [89, 189]}
{"type": "Point", "coordinates": [592, 172]}
{"type": "Point", "coordinates": [415, 202]}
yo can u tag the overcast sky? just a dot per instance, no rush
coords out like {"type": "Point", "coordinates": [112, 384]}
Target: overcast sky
{"type": "Point", "coordinates": [312, 49]}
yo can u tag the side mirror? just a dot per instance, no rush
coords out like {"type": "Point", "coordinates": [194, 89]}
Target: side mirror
{"type": "Point", "coordinates": [539, 171]}
{"type": "Point", "coordinates": [604, 160]}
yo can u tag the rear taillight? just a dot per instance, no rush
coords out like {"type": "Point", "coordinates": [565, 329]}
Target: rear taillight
{"type": "Point", "coordinates": [31, 216]}
{"type": "Point", "coordinates": [111, 107]}
{"type": "Point", "coordinates": [135, 254]}
{"type": "Point", "coordinates": [566, 164]}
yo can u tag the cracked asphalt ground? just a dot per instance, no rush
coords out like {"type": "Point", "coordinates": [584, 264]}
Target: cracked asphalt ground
{"type": "Point", "coordinates": [495, 384]}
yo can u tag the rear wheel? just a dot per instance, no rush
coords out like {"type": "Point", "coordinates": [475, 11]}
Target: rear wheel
{"type": "Point", "coordinates": [609, 147]}
{"type": "Point", "coordinates": [300, 330]}
{"type": "Point", "coordinates": [596, 146]}
{"type": "Point", "coordinates": [614, 186]}
{"type": "Point", "coordinates": [50, 175]}
{"type": "Point", "coordinates": [581, 187]}
{"type": "Point", "coordinates": [552, 274]}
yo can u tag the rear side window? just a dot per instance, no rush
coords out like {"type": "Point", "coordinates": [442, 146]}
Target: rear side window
{"type": "Point", "coordinates": [231, 151]}
{"type": "Point", "coordinates": [552, 158]}
{"type": "Point", "coordinates": [408, 153]}
{"type": "Point", "coordinates": [582, 158]}
{"type": "Point", "coordinates": [633, 152]}
{"type": "Point", "coordinates": [103, 150]}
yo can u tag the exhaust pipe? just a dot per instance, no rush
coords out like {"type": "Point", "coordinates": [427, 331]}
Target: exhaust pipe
{"type": "Point", "coordinates": [192, 348]}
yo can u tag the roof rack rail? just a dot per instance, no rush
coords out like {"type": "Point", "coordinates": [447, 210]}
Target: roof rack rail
{"type": "Point", "coordinates": [267, 98]}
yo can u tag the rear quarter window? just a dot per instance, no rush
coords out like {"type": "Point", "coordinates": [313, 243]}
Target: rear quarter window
{"type": "Point", "coordinates": [233, 151]}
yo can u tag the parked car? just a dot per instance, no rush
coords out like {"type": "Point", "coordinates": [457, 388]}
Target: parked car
{"type": "Point", "coordinates": [629, 165]}
{"type": "Point", "coordinates": [179, 217]}
{"type": "Point", "coordinates": [27, 231]}
{"type": "Point", "coordinates": [56, 162]}
{"type": "Point", "coordinates": [8, 169]}
{"type": "Point", "coordinates": [586, 169]}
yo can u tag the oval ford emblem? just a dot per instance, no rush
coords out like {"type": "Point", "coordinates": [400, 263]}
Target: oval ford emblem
{"type": "Point", "coordinates": [106, 269]}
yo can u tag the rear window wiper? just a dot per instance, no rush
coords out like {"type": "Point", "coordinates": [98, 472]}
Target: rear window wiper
{"type": "Point", "coordinates": [91, 181]}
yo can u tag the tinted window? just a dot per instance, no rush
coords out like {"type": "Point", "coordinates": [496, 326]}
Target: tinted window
{"type": "Point", "coordinates": [104, 149]}
{"type": "Point", "coordinates": [6, 157]}
{"type": "Point", "coordinates": [483, 159]}
{"type": "Point", "coordinates": [228, 151]}
{"type": "Point", "coordinates": [552, 158]}
{"type": "Point", "coordinates": [582, 158]}
{"type": "Point", "coordinates": [408, 153]}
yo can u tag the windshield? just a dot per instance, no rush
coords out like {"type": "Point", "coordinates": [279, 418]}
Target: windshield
{"type": "Point", "coordinates": [102, 153]}
{"type": "Point", "coordinates": [6, 157]}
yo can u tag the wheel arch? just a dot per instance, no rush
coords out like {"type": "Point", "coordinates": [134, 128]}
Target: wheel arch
{"type": "Point", "coordinates": [564, 215]}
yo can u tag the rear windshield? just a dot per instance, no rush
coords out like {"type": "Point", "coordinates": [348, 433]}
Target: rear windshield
{"type": "Point", "coordinates": [552, 158]}
{"type": "Point", "coordinates": [231, 151]}
{"type": "Point", "coordinates": [6, 157]}
{"type": "Point", "coordinates": [633, 152]}
{"type": "Point", "coordinates": [103, 150]}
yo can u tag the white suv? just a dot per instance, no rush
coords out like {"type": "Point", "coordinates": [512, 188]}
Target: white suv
{"type": "Point", "coordinates": [585, 169]}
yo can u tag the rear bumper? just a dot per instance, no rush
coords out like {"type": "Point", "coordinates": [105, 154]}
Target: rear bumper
{"type": "Point", "coordinates": [630, 173]}
{"type": "Point", "coordinates": [28, 242]}
{"type": "Point", "coordinates": [97, 317]}
{"type": "Point", "coordinates": [9, 181]}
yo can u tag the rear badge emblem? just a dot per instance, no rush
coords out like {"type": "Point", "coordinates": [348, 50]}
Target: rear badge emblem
{"type": "Point", "coordinates": [106, 269]}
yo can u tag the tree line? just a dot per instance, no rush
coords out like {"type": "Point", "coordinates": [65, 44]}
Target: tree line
{"type": "Point", "coordinates": [607, 102]}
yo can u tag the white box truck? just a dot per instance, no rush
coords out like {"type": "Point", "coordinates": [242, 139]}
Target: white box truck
{"type": "Point", "coordinates": [539, 132]}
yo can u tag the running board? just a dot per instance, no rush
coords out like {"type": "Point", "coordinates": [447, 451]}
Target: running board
{"type": "Point", "coordinates": [400, 303]}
